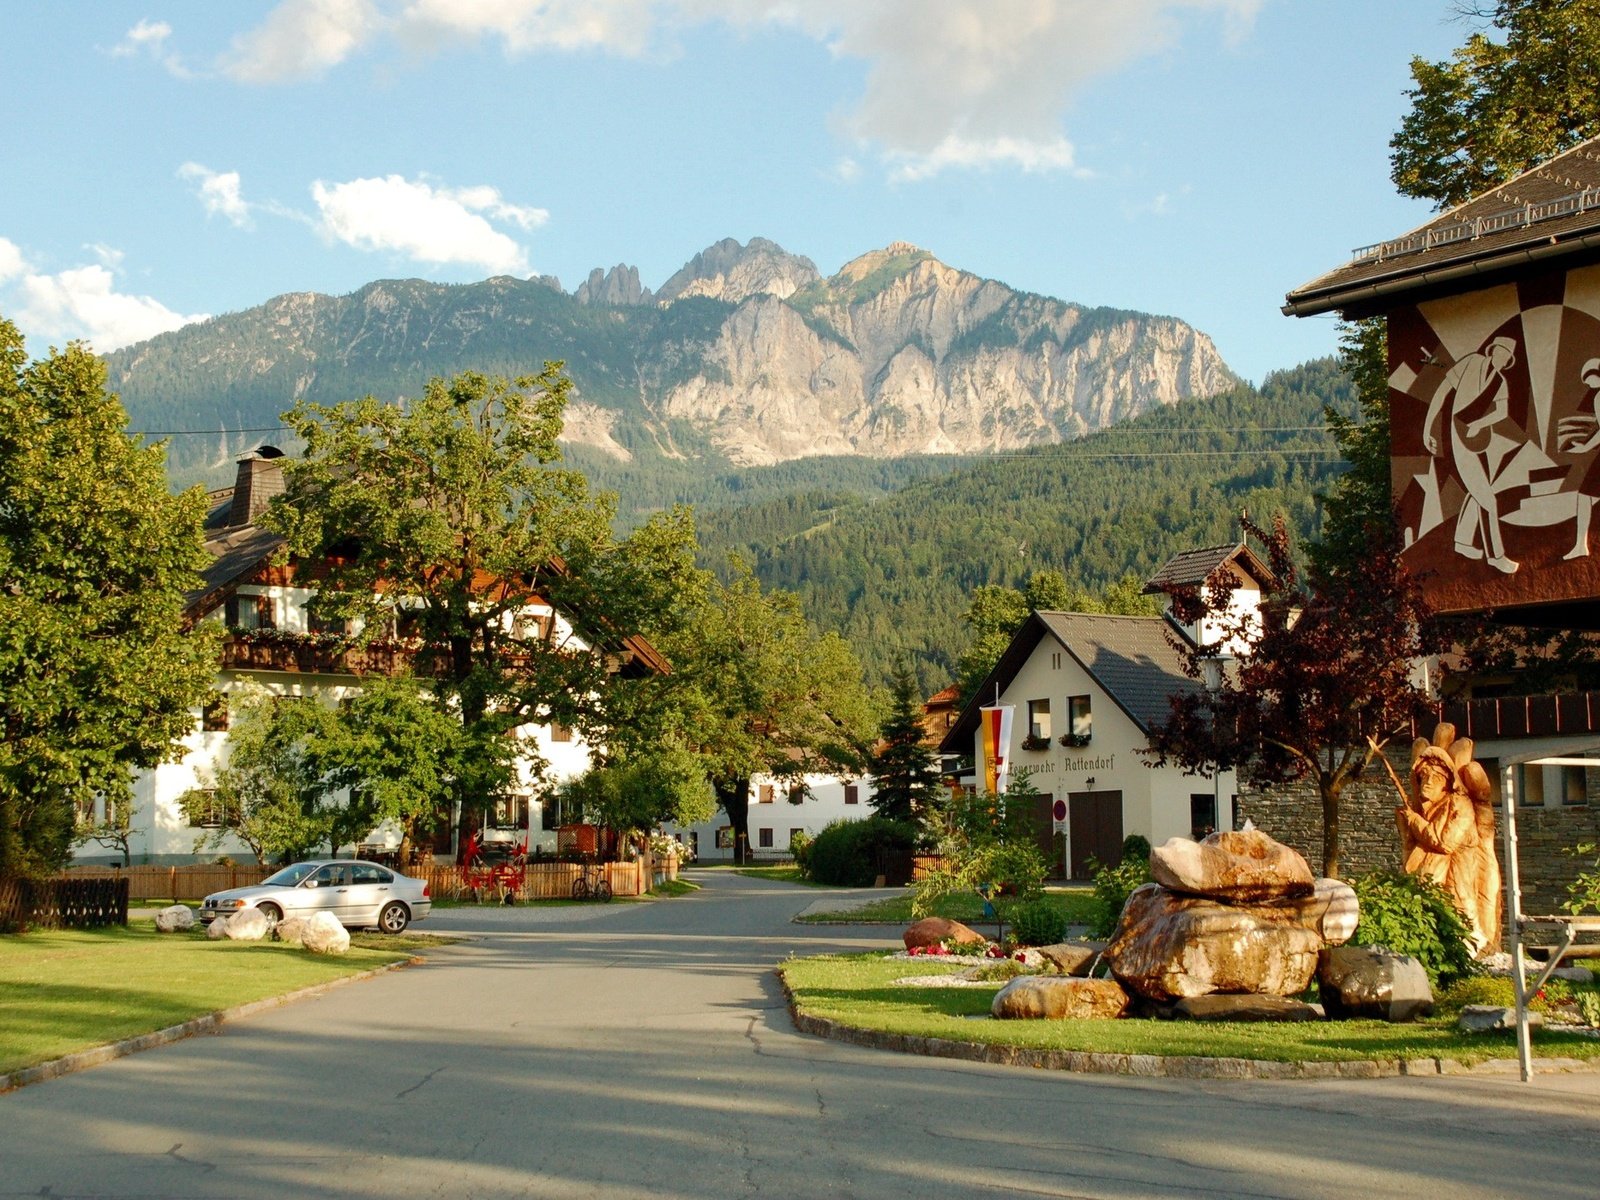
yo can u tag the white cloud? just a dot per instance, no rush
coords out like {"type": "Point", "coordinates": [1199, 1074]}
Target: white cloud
{"type": "Point", "coordinates": [624, 27]}
{"type": "Point", "coordinates": [424, 223]}
{"type": "Point", "coordinates": [83, 302]}
{"type": "Point", "coordinates": [12, 263]}
{"type": "Point", "coordinates": [300, 39]}
{"type": "Point", "coordinates": [149, 38]}
{"type": "Point", "coordinates": [219, 192]}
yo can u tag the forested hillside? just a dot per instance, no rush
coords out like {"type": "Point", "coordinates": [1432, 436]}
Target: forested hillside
{"type": "Point", "coordinates": [894, 575]}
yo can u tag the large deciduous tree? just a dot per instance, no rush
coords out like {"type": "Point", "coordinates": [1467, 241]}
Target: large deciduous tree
{"type": "Point", "coordinates": [1519, 91]}
{"type": "Point", "coordinates": [450, 514]}
{"type": "Point", "coordinates": [98, 674]}
{"type": "Point", "coordinates": [1327, 682]}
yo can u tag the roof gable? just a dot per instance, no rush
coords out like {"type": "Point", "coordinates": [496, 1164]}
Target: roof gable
{"type": "Point", "coordinates": [1192, 568]}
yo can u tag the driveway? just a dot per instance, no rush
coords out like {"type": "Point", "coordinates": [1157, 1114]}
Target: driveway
{"type": "Point", "coordinates": [644, 1050]}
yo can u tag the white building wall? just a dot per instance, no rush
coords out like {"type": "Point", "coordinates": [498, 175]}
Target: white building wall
{"type": "Point", "coordinates": [824, 803]}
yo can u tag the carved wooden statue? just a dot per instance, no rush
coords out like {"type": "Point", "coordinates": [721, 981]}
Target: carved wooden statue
{"type": "Point", "coordinates": [1446, 827]}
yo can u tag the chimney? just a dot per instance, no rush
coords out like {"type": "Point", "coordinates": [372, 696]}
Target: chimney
{"type": "Point", "coordinates": [260, 479]}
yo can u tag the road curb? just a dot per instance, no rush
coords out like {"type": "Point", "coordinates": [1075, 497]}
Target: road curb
{"type": "Point", "coordinates": [1150, 1066]}
{"type": "Point", "coordinates": [82, 1060]}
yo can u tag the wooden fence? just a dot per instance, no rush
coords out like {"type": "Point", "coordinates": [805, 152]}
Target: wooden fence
{"type": "Point", "coordinates": [190, 882]}
{"type": "Point", "coordinates": [64, 902]}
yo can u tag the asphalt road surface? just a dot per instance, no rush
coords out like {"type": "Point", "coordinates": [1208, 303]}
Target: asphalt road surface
{"type": "Point", "coordinates": [644, 1050]}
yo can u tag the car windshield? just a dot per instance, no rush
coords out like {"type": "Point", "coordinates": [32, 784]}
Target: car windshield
{"type": "Point", "coordinates": [289, 876]}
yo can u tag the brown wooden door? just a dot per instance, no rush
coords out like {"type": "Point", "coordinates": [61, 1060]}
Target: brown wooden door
{"type": "Point", "coordinates": [1044, 831]}
{"type": "Point", "coordinates": [1094, 820]}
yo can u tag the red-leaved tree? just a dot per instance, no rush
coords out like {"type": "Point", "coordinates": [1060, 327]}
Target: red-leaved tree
{"type": "Point", "coordinates": [1327, 681]}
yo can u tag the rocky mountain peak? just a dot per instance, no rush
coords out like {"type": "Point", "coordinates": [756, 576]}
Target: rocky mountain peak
{"type": "Point", "coordinates": [618, 286]}
{"type": "Point", "coordinates": [733, 272]}
{"type": "Point", "coordinates": [896, 257]}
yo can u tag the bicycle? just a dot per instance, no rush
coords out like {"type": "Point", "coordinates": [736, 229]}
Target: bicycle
{"type": "Point", "coordinates": [591, 883]}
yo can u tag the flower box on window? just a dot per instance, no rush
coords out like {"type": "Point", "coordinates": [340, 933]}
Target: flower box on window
{"type": "Point", "coordinates": [1075, 741]}
{"type": "Point", "coordinates": [1035, 742]}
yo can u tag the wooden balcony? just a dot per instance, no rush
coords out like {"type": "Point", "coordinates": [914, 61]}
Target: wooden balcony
{"type": "Point", "coordinates": [313, 656]}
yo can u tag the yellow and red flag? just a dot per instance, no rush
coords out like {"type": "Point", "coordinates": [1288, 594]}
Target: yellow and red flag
{"type": "Point", "coordinates": [996, 726]}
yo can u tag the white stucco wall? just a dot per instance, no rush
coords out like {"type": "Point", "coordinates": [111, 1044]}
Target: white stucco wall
{"type": "Point", "coordinates": [824, 804]}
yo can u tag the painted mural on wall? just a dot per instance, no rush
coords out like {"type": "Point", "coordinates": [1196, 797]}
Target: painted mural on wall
{"type": "Point", "coordinates": [1496, 441]}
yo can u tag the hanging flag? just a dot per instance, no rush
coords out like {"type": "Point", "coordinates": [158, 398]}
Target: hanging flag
{"type": "Point", "coordinates": [996, 726]}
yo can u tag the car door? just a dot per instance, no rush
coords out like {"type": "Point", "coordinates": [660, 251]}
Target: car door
{"type": "Point", "coordinates": [327, 890]}
{"type": "Point", "coordinates": [370, 889]}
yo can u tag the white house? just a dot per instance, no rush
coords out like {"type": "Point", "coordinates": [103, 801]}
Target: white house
{"type": "Point", "coordinates": [274, 646]}
{"type": "Point", "coordinates": [779, 809]}
{"type": "Point", "coordinates": [1086, 690]}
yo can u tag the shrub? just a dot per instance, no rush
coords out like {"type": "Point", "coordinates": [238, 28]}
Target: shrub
{"type": "Point", "coordinates": [991, 868]}
{"type": "Point", "coordinates": [1112, 887]}
{"type": "Point", "coordinates": [847, 853]}
{"type": "Point", "coordinates": [1498, 992]}
{"type": "Point", "coordinates": [1038, 923]}
{"type": "Point", "coordinates": [800, 847]}
{"type": "Point", "coordinates": [1412, 915]}
{"type": "Point", "coordinates": [1136, 845]}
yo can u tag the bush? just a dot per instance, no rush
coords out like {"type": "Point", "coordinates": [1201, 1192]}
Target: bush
{"type": "Point", "coordinates": [1136, 846]}
{"type": "Point", "coordinates": [1412, 915]}
{"type": "Point", "coordinates": [800, 847]}
{"type": "Point", "coordinates": [1112, 887]}
{"type": "Point", "coordinates": [1038, 923]}
{"type": "Point", "coordinates": [847, 853]}
{"type": "Point", "coordinates": [1498, 992]}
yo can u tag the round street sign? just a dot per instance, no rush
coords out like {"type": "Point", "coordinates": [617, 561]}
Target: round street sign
{"type": "Point", "coordinates": [1059, 811]}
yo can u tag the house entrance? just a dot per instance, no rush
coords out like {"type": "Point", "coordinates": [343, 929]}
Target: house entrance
{"type": "Point", "coordinates": [1094, 820]}
{"type": "Point", "coordinates": [1044, 831]}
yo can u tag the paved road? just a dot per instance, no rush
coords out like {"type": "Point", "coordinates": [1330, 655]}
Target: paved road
{"type": "Point", "coordinates": [644, 1050]}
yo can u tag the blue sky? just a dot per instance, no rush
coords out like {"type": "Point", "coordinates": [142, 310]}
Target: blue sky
{"type": "Point", "coordinates": [173, 159]}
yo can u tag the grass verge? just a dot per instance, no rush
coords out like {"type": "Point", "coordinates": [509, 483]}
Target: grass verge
{"type": "Point", "coordinates": [788, 873]}
{"type": "Point", "coordinates": [1076, 903]}
{"type": "Point", "coordinates": [858, 990]}
{"type": "Point", "coordinates": [67, 990]}
{"type": "Point", "coordinates": [674, 887]}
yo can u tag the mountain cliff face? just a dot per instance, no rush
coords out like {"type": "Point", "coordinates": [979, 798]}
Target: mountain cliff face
{"type": "Point", "coordinates": [747, 353]}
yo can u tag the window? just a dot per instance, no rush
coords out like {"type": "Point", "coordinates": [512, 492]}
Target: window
{"type": "Point", "coordinates": [1573, 788]}
{"type": "Point", "coordinates": [560, 732]}
{"type": "Point", "coordinates": [1039, 718]}
{"type": "Point", "coordinates": [551, 818]}
{"type": "Point", "coordinates": [369, 873]}
{"type": "Point", "coordinates": [1491, 767]}
{"type": "Point", "coordinates": [852, 793]}
{"type": "Point", "coordinates": [694, 843]}
{"type": "Point", "coordinates": [797, 793]}
{"type": "Point", "coordinates": [764, 838]}
{"type": "Point", "coordinates": [1055, 661]}
{"type": "Point", "coordinates": [230, 612]}
{"type": "Point", "coordinates": [725, 838]}
{"type": "Point", "coordinates": [764, 794]}
{"type": "Point", "coordinates": [209, 810]}
{"type": "Point", "coordinates": [795, 833]}
{"type": "Point", "coordinates": [511, 812]}
{"type": "Point", "coordinates": [214, 716]}
{"type": "Point", "coordinates": [1202, 814]}
{"type": "Point", "coordinates": [1080, 722]}
{"type": "Point", "coordinates": [266, 612]}
{"type": "Point", "coordinates": [321, 623]}
{"type": "Point", "coordinates": [528, 627]}
{"type": "Point", "coordinates": [407, 625]}
{"type": "Point", "coordinates": [1530, 786]}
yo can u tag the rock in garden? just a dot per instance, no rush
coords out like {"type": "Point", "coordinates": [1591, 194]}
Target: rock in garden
{"type": "Point", "coordinates": [177, 918]}
{"type": "Point", "coordinates": [1072, 958]}
{"type": "Point", "coordinates": [324, 935]}
{"type": "Point", "coordinates": [1242, 1008]}
{"type": "Point", "coordinates": [1490, 1018]}
{"type": "Point", "coordinates": [1045, 997]}
{"type": "Point", "coordinates": [930, 931]}
{"type": "Point", "coordinates": [1331, 909]}
{"type": "Point", "coordinates": [1169, 946]}
{"type": "Point", "coordinates": [248, 925]}
{"type": "Point", "coordinates": [218, 929]}
{"type": "Point", "coordinates": [1367, 981]}
{"type": "Point", "coordinates": [1231, 866]}
{"type": "Point", "coordinates": [291, 930]}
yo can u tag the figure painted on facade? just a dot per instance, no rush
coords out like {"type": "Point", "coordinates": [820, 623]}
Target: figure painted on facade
{"type": "Point", "coordinates": [1579, 435]}
{"type": "Point", "coordinates": [1446, 824]}
{"type": "Point", "coordinates": [1472, 400]}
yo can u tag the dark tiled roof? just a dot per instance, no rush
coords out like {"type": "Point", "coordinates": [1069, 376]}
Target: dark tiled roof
{"type": "Point", "coordinates": [1129, 657]}
{"type": "Point", "coordinates": [1193, 567]}
{"type": "Point", "coordinates": [1549, 212]}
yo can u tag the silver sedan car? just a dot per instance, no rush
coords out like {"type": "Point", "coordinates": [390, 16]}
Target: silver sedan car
{"type": "Point", "coordinates": [360, 894]}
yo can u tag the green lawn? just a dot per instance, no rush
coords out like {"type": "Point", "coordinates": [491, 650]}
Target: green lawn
{"type": "Point", "coordinates": [857, 990]}
{"type": "Point", "coordinates": [68, 990]}
{"type": "Point", "coordinates": [788, 873]}
{"type": "Point", "coordinates": [1077, 903]}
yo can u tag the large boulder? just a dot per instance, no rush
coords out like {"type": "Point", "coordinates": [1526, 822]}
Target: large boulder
{"type": "Point", "coordinates": [291, 930]}
{"type": "Point", "coordinates": [324, 935]}
{"type": "Point", "coordinates": [1246, 865]}
{"type": "Point", "coordinates": [176, 918]}
{"type": "Point", "coordinates": [249, 925]}
{"type": "Point", "coordinates": [1368, 981]}
{"type": "Point", "coordinates": [1072, 958]}
{"type": "Point", "coordinates": [930, 931]}
{"type": "Point", "coordinates": [1331, 909]}
{"type": "Point", "coordinates": [1168, 946]}
{"type": "Point", "coordinates": [1241, 1008]}
{"type": "Point", "coordinates": [218, 929]}
{"type": "Point", "coordinates": [1045, 997]}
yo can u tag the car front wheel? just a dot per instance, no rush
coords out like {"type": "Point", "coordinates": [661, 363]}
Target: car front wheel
{"type": "Point", "coordinates": [272, 913]}
{"type": "Point", "coordinates": [394, 917]}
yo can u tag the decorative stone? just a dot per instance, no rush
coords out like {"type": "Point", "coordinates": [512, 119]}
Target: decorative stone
{"type": "Point", "coordinates": [324, 935]}
{"type": "Point", "coordinates": [1242, 1008]}
{"type": "Point", "coordinates": [218, 929]}
{"type": "Point", "coordinates": [248, 925]}
{"type": "Point", "coordinates": [1169, 946]}
{"type": "Point", "coordinates": [1231, 866]}
{"type": "Point", "coordinates": [1490, 1018]}
{"type": "Point", "coordinates": [1368, 981]}
{"type": "Point", "coordinates": [291, 930]}
{"type": "Point", "coordinates": [1045, 997]}
{"type": "Point", "coordinates": [1072, 958]}
{"type": "Point", "coordinates": [930, 931]}
{"type": "Point", "coordinates": [1331, 909]}
{"type": "Point", "coordinates": [176, 918]}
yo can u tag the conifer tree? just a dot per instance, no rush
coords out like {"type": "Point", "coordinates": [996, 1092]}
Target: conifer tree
{"type": "Point", "coordinates": [904, 771]}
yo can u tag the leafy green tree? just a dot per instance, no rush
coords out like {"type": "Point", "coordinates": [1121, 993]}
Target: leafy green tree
{"type": "Point", "coordinates": [905, 774]}
{"type": "Point", "coordinates": [665, 786]}
{"type": "Point", "coordinates": [1519, 91]}
{"type": "Point", "coordinates": [98, 674]}
{"type": "Point", "coordinates": [273, 792]}
{"type": "Point", "coordinates": [989, 847]}
{"type": "Point", "coordinates": [452, 502]}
